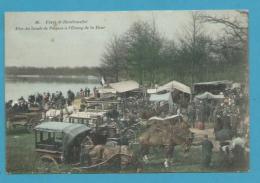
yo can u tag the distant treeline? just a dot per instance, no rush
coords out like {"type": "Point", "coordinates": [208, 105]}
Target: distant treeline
{"type": "Point", "coordinates": [66, 71]}
{"type": "Point", "coordinates": [52, 78]}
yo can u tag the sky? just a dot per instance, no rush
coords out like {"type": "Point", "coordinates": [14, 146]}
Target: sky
{"type": "Point", "coordinates": [74, 39]}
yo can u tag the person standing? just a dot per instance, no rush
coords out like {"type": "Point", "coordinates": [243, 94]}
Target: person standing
{"type": "Point", "coordinates": [69, 100]}
{"type": "Point", "coordinates": [86, 92]}
{"type": "Point", "coordinates": [192, 114]}
{"type": "Point", "coordinates": [95, 91]}
{"type": "Point", "coordinates": [81, 92]}
{"type": "Point", "coordinates": [61, 116]}
{"type": "Point", "coordinates": [207, 147]}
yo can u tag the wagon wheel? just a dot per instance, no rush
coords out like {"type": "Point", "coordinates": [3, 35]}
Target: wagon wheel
{"type": "Point", "coordinates": [47, 164]}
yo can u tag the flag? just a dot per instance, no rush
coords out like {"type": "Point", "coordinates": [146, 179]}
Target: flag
{"type": "Point", "coordinates": [102, 81]}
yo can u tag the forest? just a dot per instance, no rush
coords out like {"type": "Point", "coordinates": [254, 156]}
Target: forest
{"type": "Point", "coordinates": [144, 55]}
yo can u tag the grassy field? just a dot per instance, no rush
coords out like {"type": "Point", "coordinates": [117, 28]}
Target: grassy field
{"type": "Point", "coordinates": [20, 155]}
{"type": "Point", "coordinates": [21, 158]}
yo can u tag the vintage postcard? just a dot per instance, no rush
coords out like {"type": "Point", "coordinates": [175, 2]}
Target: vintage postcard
{"type": "Point", "coordinates": [127, 91]}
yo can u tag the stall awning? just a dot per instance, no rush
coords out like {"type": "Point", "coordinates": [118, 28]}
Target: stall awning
{"type": "Point", "coordinates": [124, 86]}
{"type": "Point", "coordinates": [236, 85]}
{"type": "Point", "coordinates": [160, 97]}
{"type": "Point", "coordinates": [174, 85]}
{"type": "Point", "coordinates": [151, 90]}
{"type": "Point", "coordinates": [208, 95]}
{"type": "Point", "coordinates": [166, 118]}
{"type": "Point", "coordinates": [214, 83]}
{"type": "Point", "coordinates": [106, 90]}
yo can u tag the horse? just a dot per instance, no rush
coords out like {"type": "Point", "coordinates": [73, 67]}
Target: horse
{"type": "Point", "coordinates": [167, 133]}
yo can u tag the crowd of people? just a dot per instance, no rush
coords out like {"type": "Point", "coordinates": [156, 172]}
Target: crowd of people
{"type": "Point", "coordinates": [47, 100]}
{"type": "Point", "coordinates": [85, 92]}
{"type": "Point", "coordinates": [230, 108]}
{"type": "Point", "coordinates": [42, 101]}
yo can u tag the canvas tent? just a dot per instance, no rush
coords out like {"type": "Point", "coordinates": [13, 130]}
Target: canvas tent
{"type": "Point", "coordinates": [236, 85]}
{"type": "Point", "coordinates": [106, 90]}
{"type": "Point", "coordinates": [174, 85]}
{"type": "Point", "coordinates": [160, 97]}
{"type": "Point", "coordinates": [151, 90]}
{"type": "Point", "coordinates": [124, 86]}
{"type": "Point", "coordinates": [166, 118]}
{"type": "Point", "coordinates": [214, 87]}
{"type": "Point", "coordinates": [208, 95]}
{"type": "Point", "coordinates": [165, 98]}
{"type": "Point", "coordinates": [225, 82]}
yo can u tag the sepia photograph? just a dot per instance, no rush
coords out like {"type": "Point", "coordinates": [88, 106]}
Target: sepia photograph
{"type": "Point", "coordinates": [126, 92]}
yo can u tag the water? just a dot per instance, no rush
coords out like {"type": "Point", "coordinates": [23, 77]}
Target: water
{"type": "Point", "coordinates": [14, 90]}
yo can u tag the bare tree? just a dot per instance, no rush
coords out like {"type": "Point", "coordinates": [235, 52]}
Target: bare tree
{"type": "Point", "coordinates": [194, 41]}
{"type": "Point", "coordinates": [114, 58]}
{"type": "Point", "coordinates": [236, 27]}
{"type": "Point", "coordinates": [235, 30]}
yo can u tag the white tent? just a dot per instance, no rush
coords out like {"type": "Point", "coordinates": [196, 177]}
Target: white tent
{"type": "Point", "coordinates": [166, 118]}
{"type": "Point", "coordinates": [124, 86]}
{"type": "Point", "coordinates": [166, 98]}
{"type": "Point", "coordinates": [151, 90]}
{"type": "Point", "coordinates": [160, 97]}
{"type": "Point", "coordinates": [174, 85]}
{"type": "Point", "coordinates": [236, 85]}
{"type": "Point", "coordinates": [208, 95]}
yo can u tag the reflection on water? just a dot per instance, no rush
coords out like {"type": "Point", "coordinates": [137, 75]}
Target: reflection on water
{"type": "Point", "coordinates": [14, 90]}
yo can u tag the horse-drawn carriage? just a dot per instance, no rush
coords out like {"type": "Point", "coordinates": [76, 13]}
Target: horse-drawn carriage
{"type": "Point", "coordinates": [73, 144]}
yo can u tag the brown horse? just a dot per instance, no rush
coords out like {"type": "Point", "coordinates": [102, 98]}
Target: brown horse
{"type": "Point", "coordinates": [166, 132]}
